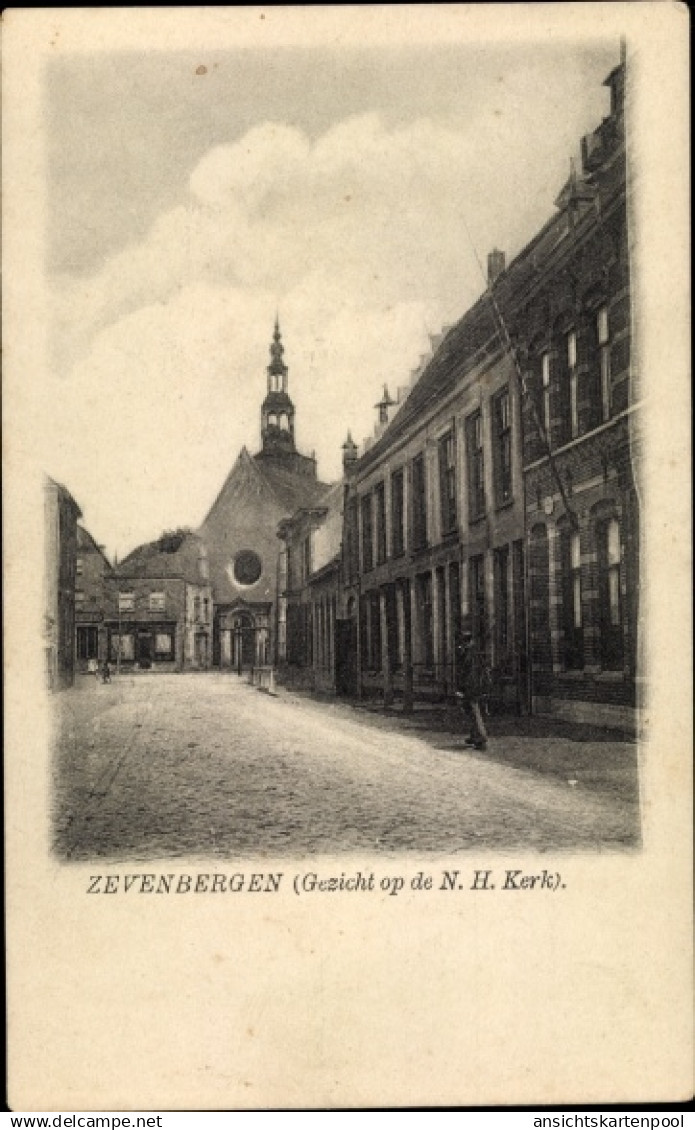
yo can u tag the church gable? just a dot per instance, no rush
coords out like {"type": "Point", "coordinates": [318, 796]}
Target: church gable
{"type": "Point", "coordinates": [244, 487]}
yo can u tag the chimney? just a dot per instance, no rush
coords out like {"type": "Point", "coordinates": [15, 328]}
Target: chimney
{"type": "Point", "coordinates": [383, 406]}
{"type": "Point", "coordinates": [349, 454]}
{"type": "Point", "coordinates": [495, 266]}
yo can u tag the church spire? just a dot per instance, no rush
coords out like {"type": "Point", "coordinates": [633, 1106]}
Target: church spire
{"type": "Point", "coordinates": [277, 410]}
{"type": "Point", "coordinates": [277, 369]}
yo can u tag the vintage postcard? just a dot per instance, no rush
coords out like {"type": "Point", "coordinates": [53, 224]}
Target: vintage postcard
{"type": "Point", "coordinates": [347, 527]}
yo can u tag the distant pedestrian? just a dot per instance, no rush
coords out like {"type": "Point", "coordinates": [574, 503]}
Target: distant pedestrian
{"type": "Point", "coordinates": [471, 686]}
{"type": "Point", "coordinates": [105, 672]}
{"type": "Point", "coordinates": [93, 668]}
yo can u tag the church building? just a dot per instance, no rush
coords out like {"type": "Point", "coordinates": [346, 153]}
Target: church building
{"type": "Point", "coordinates": [240, 528]}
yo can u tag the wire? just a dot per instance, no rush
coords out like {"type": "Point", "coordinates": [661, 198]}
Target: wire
{"type": "Point", "coordinates": [525, 391]}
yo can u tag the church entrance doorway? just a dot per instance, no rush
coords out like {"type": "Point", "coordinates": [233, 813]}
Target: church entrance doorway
{"type": "Point", "coordinates": [244, 641]}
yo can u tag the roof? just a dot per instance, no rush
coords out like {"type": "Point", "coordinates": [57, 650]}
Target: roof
{"type": "Point", "coordinates": [265, 474]}
{"type": "Point", "coordinates": [176, 555]}
{"type": "Point", "coordinates": [330, 501]}
{"type": "Point", "coordinates": [455, 355]}
{"type": "Point", "coordinates": [87, 544]}
{"type": "Point", "coordinates": [291, 490]}
{"type": "Point", "coordinates": [62, 492]}
{"type": "Point", "coordinates": [478, 328]}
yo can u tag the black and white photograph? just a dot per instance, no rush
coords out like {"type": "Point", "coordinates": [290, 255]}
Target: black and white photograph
{"type": "Point", "coordinates": [352, 362]}
{"type": "Point", "coordinates": [341, 440]}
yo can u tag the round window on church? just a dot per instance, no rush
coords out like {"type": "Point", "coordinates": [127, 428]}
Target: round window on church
{"type": "Point", "coordinates": [247, 567]}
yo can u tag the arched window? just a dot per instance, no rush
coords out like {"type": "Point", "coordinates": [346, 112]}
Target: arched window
{"type": "Point", "coordinates": [539, 592]}
{"type": "Point", "coordinates": [272, 420]}
{"type": "Point", "coordinates": [284, 421]}
{"type": "Point", "coordinates": [572, 382]}
{"type": "Point", "coordinates": [545, 391]}
{"type": "Point", "coordinates": [571, 586]}
{"type": "Point", "coordinates": [610, 600]}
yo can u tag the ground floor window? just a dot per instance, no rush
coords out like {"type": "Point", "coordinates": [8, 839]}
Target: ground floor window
{"type": "Point", "coordinates": [610, 603]}
{"type": "Point", "coordinates": [572, 621]}
{"type": "Point", "coordinates": [455, 602]}
{"type": "Point", "coordinates": [539, 593]}
{"type": "Point", "coordinates": [374, 632]}
{"type": "Point", "coordinates": [123, 647]}
{"type": "Point", "coordinates": [501, 572]}
{"type": "Point", "coordinates": [424, 591]}
{"type": "Point", "coordinates": [164, 645]}
{"type": "Point", "coordinates": [87, 642]}
{"type": "Point", "coordinates": [476, 581]}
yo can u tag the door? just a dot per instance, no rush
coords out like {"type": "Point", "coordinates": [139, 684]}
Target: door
{"type": "Point", "coordinates": [145, 648]}
{"type": "Point", "coordinates": [244, 635]}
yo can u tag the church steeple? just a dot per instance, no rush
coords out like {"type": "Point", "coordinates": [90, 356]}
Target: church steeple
{"type": "Point", "coordinates": [277, 410]}
{"type": "Point", "coordinates": [277, 369]}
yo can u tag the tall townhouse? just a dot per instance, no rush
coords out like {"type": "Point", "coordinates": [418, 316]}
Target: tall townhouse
{"type": "Point", "coordinates": [94, 601]}
{"type": "Point", "coordinates": [434, 522]}
{"type": "Point", "coordinates": [581, 441]}
{"type": "Point", "coordinates": [61, 514]}
{"type": "Point", "coordinates": [308, 631]}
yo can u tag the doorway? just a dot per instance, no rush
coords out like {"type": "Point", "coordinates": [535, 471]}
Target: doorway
{"type": "Point", "coordinates": [144, 648]}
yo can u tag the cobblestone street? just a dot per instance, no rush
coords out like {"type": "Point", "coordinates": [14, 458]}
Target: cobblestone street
{"type": "Point", "coordinates": [169, 765]}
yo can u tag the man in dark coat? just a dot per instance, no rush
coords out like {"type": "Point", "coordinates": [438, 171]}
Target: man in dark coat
{"type": "Point", "coordinates": [470, 680]}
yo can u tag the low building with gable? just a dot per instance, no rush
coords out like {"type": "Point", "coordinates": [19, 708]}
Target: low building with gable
{"type": "Point", "coordinates": [161, 609]}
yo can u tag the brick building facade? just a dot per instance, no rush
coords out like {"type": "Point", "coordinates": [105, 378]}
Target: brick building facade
{"type": "Point", "coordinates": [581, 441]}
{"type": "Point", "coordinates": [501, 490]}
{"type": "Point", "coordinates": [161, 608]}
{"type": "Point", "coordinates": [434, 522]}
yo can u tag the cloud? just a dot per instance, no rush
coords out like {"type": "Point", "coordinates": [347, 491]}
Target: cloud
{"type": "Point", "coordinates": [359, 237]}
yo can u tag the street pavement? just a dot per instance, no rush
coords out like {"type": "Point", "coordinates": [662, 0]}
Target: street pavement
{"type": "Point", "coordinates": [169, 765]}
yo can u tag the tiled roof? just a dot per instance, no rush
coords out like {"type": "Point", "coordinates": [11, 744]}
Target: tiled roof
{"type": "Point", "coordinates": [153, 560]}
{"type": "Point", "coordinates": [455, 355]}
{"type": "Point", "coordinates": [87, 544]}
{"type": "Point", "coordinates": [291, 490]}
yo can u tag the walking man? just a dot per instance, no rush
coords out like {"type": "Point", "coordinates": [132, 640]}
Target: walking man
{"type": "Point", "coordinates": [469, 687]}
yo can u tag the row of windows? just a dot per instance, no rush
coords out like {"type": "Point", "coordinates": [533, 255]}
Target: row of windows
{"type": "Point", "coordinates": [572, 583]}
{"type": "Point", "coordinates": [160, 647]}
{"type": "Point", "coordinates": [156, 602]}
{"type": "Point", "coordinates": [610, 605]}
{"type": "Point", "coordinates": [439, 592]}
{"type": "Point", "coordinates": [371, 510]}
{"type": "Point", "coordinates": [565, 396]}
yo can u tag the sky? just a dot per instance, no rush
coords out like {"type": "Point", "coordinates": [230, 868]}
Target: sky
{"type": "Point", "coordinates": [192, 195]}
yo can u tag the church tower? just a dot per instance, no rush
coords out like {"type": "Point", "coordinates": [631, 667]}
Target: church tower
{"type": "Point", "coordinates": [278, 449]}
{"type": "Point", "coordinates": [277, 410]}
